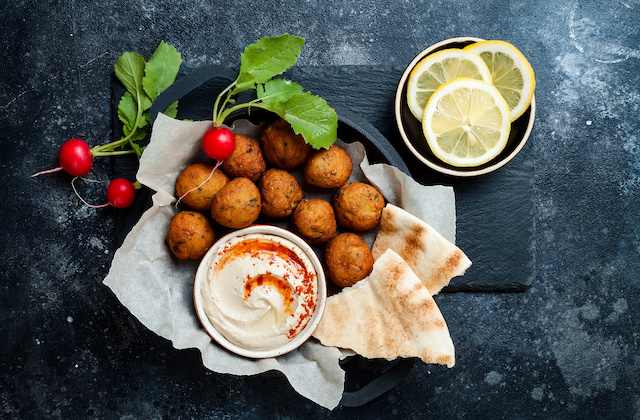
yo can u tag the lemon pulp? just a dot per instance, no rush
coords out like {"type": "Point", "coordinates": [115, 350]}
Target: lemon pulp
{"type": "Point", "coordinates": [511, 73]}
{"type": "Point", "coordinates": [466, 122]}
{"type": "Point", "coordinates": [439, 68]}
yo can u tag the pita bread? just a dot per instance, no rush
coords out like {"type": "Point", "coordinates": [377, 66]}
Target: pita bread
{"type": "Point", "coordinates": [387, 315]}
{"type": "Point", "coordinates": [434, 259]}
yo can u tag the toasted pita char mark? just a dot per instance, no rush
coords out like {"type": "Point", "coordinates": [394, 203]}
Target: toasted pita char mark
{"type": "Point", "coordinates": [412, 243]}
{"type": "Point", "coordinates": [355, 319]}
{"type": "Point", "coordinates": [413, 299]}
{"type": "Point", "coordinates": [433, 259]}
{"type": "Point", "coordinates": [387, 315]}
{"type": "Point", "coordinates": [452, 264]}
{"type": "Point", "coordinates": [443, 360]}
{"type": "Point", "coordinates": [387, 218]}
{"type": "Point", "coordinates": [376, 329]}
{"type": "Point", "coordinates": [393, 271]}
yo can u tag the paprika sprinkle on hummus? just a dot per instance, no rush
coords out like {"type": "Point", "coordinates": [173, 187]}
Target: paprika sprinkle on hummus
{"type": "Point", "coordinates": [260, 291]}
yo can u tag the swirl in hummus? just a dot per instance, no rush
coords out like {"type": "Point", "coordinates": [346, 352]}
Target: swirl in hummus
{"type": "Point", "coordinates": [260, 291]}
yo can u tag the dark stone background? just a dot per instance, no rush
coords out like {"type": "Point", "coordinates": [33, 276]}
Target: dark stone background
{"type": "Point", "coordinates": [566, 348]}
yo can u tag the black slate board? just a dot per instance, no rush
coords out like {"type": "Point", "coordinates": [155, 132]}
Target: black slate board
{"type": "Point", "coordinates": [495, 220]}
{"type": "Point", "coordinates": [495, 212]}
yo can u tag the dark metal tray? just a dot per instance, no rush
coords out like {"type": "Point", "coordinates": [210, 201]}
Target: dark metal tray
{"type": "Point", "coordinates": [494, 212]}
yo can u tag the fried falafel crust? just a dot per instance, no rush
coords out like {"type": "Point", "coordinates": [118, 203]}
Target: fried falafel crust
{"type": "Point", "coordinates": [190, 235]}
{"type": "Point", "coordinates": [200, 193]}
{"type": "Point", "coordinates": [328, 168]}
{"type": "Point", "coordinates": [280, 193]}
{"type": "Point", "coordinates": [315, 220]}
{"type": "Point", "coordinates": [237, 204]}
{"type": "Point", "coordinates": [348, 259]}
{"type": "Point", "coordinates": [246, 160]}
{"type": "Point", "coordinates": [282, 147]}
{"type": "Point", "coordinates": [358, 206]}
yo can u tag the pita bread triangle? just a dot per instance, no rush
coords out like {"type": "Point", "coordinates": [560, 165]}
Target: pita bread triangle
{"type": "Point", "coordinates": [389, 314]}
{"type": "Point", "coordinates": [434, 259]}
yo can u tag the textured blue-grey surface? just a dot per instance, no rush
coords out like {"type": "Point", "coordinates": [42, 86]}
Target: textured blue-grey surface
{"type": "Point", "coordinates": [566, 348]}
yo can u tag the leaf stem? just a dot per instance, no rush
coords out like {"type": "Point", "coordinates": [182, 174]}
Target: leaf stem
{"type": "Point", "coordinates": [99, 150]}
{"type": "Point", "coordinates": [114, 153]}
{"type": "Point", "coordinates": [135, 127]}
{"type": "Point", "coordinates": [216, 106]}
{"type": "Point", "coordinates": [112, 145]}
{"type": "Point", "coordinates": [223, 116]}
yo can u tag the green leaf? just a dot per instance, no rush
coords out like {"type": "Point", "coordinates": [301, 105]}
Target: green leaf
{"type": "Point", "coordinates": [127, 111]}
{"type": "Point", "coordinates": [312, 117]}
{"type": "Point", "coordinates": [161, 70]}
{"type": "Point", "coordinates": [144, 120]}
{"type": "Point", "coordinates": [138, 149]}
{"type": "Point", "coordinates": [140, 134]}
{"type": "Point", "coordinates": [146, 103]}
{"type": "Point", "coordinates": [266, 58]}
{"type": "Point", "coordinates": [276, 91]}
{"type": "Point", "coordinates": [172, 110]}
{"type": "Point", "coordinates": [129, 70]}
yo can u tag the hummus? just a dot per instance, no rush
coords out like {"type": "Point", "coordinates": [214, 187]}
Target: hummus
{"type": "Point", "coordinates": [260, 291]}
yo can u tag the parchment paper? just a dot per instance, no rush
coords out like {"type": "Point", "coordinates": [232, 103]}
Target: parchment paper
{"type": "Point", "coordinates": [158, 289]}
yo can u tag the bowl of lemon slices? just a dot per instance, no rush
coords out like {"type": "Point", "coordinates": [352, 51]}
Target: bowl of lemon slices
{"type": "Point", "coordinates": [466, 106]}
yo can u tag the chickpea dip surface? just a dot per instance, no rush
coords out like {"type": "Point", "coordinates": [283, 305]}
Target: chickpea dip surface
{"type": "Point", "coordinates": [260, 291]}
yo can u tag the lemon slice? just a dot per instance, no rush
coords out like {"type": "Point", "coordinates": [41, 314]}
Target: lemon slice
{"type": "Point", "coordinates": [438, 68]}
{"type": "Point", "coordinates": [466, 122]}
{"type": "Point", "coordinates": [511, 73]}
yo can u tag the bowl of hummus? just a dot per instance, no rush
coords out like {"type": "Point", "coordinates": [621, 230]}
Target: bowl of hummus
{"type": "Point", "coordinates": [260, 291]}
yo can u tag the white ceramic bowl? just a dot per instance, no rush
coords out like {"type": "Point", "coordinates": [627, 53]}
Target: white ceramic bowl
{"type": "Point", "coordinates": [298, 339]}
{"type": "Point", "coordinates": [411, 128]}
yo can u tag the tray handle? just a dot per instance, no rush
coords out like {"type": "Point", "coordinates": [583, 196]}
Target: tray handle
{"type": "Point", "coordinates": [378, 386]}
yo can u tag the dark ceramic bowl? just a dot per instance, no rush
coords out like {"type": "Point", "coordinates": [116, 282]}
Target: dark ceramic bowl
{"type": "Point", "coordinates": [411, 128]}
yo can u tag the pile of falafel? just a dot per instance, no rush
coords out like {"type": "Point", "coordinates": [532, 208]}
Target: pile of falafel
{"type": "Point", "coordinates": [255, 180]}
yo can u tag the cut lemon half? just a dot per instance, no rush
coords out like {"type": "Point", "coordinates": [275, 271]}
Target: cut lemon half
{"type": "Point", "coordinates": [438, 68]}
{"type": "Point", "coordinates": [511, 73]}
{"type": "Point", "coordinates": [466, 122]}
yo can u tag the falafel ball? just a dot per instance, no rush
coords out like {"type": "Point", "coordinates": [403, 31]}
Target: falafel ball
{"type": "Point", "coordinates": [348, 259]}
{"type": "Point", "coordinates": [190, 235]}
{"type": "Point", "coordinates": [315, 220]}
{"type": "Point", "coordinates": [190, 180]}
{"type": "Point", "coordinates": [328, 168]}
{"type": "Point", "coordinates": [280, 193]}
{"type": "Point", "coordinates": [358, 206]}
{"type": "Point", "coordinates": [246, 160]}
{"type": "Point", "coordinates": [237, 204]}
{"type": "Point", "coordinates": [283, 148]}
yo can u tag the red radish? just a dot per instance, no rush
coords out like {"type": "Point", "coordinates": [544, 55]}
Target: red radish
{"type": "Point", "coordinates": [218, 143]}
{"type": "Point", "coordinates": [121, 193]}
{"type": "Point", "coordinates": [75, 158]}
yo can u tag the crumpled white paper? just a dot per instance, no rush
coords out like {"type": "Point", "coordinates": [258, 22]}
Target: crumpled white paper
{"type": "Point", "coordinates": [158, 289]}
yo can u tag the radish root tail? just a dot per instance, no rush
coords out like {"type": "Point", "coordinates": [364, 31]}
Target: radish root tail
{"type": "Point", "coordinates": [73, 185]}
{"type": "Point", "coordinates": [49, 171]}
{"type": "Point", "coordinates": [218, 163]}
